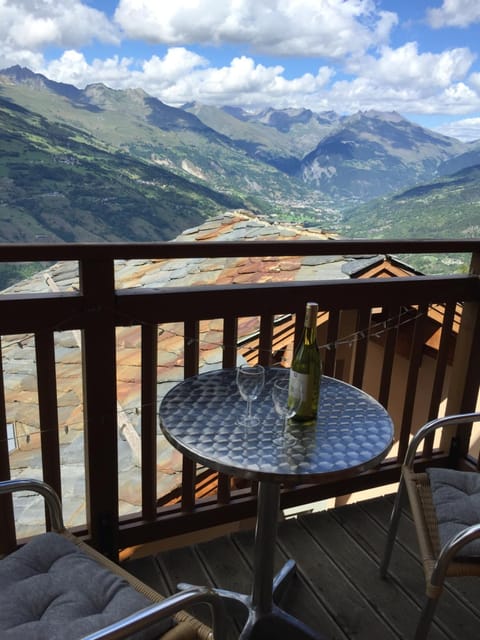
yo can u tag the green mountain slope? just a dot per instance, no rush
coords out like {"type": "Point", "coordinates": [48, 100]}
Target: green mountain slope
{"type": "Point", "coordinates": [58, 183]}
{"type": "Point", "coordinates": [290, 163]}
{"type": "Point", "coordinates": [446, 208]}
{"type": "Point", "coordinates": [143, 127]}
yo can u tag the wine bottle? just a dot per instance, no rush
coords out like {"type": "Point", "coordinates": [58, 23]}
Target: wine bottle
{"type": "Point", "coordinates": [306, 368]}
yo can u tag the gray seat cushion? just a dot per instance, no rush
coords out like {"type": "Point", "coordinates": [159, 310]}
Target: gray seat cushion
{"type": "Point", "coordinates": [51, 590]}
{"type": "Point", "coordinates": [456, 497]}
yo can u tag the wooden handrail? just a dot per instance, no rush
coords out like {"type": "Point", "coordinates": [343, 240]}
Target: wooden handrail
{"type": "Point", "coordinates": [168, 250]}
{"type": "Point", "coordinates": [98, 309]}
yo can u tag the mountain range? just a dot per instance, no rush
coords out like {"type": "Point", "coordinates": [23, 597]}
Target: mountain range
{"type": "Point", "coordinates": [347, 158]}
{"type": "Point", "coordinates": [102, 164]}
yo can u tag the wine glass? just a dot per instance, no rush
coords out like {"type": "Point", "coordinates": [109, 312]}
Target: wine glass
{"type": "Point", "coordinates": [250, 382]}
{"type": "Point", "coordinates": [285, 404]}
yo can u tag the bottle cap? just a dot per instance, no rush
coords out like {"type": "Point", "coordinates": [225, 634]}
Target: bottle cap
{"type": "Point", "coordinates": [311, 314]}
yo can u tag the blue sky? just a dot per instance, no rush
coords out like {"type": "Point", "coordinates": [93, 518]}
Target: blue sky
{"type": "Point", "coordinates": [417, 57]}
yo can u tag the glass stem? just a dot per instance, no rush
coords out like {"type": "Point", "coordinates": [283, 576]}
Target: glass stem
{"type": "Point", "coordinates": [249, 409]}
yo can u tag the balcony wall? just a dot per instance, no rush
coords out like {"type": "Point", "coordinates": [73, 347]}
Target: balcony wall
{"type": "Point", "coordinates": [412, 342]}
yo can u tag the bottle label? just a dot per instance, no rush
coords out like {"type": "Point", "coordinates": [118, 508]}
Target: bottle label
{"type": "Point", "coordinates": [302, 386]}
{"type": "Point", "coordinates": [298, 384]}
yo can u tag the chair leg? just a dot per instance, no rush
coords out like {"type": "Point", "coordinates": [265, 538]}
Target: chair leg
{"type": "Point", "coordinates": [392, 529]}
{"type": "Point", "coordinates": [425, 619]}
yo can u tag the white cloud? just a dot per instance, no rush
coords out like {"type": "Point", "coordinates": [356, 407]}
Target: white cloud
{"type": "Point", "coordinates": [474, 80]}
{"type": "Point", "coordinates": [467, 129]}
{"type": "Point", "coordinates": [357, 67]}
{"type": "Point", "coordinates": [328, 28]}
{"type": "Point", "coordinates": [178, 62]}
{"type": "Point", "coordinates": [410, 82]}
{"type": "Point", "coordinates": [401, 79]}
{"type": "Point", "coordinates": [73, 68]}
{"type": "Point", "coordinates": [10, 56]}
{"type": "Point", "coordinates": [245, 83]}
{"type": "Point", "coordinates": [406, 67]}
{"type": "Point", "coordinates": [454, 13]}
{"type": "Point", "coordinates": [155, 75]}
{"type": "Point", "coordinates": [30, 25]}
{"type": "Point", "coordinates": [181, 76]}
{"type": "Point", "coordinates": [459, 98]}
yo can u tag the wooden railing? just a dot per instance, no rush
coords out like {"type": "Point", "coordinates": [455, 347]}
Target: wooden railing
{"type": "Point", "coordinates": [368, 325]}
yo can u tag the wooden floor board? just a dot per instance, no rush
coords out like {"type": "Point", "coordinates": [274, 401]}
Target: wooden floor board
{"type": "Point", "coordinates": [398, 596]}
{"type": "Point", "coordinates": [454, 615]}
{"type": "Point", "coordinates": [228, 571]}
{"type": "Point", "coordinates": [333, 588]}
{"type": "Point", "coordinates": [337, 589]}
{"type": "Point", "coordinates": [358, 610]}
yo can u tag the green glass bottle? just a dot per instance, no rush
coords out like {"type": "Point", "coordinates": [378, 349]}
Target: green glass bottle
{"type": "Point", "coordinates": [306, 369]}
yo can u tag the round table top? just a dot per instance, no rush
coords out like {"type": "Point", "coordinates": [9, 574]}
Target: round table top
{"type": "Point", "coordinates": [198, 416]}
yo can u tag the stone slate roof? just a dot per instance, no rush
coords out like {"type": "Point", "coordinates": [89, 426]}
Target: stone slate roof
{"type": "Point", "coordinates": [19, 355]}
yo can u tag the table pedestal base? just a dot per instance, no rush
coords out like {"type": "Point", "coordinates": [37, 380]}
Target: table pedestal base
{"type": "Point", "coordinates": [277, 625]}
{"type": "Point", "coordinates": [273, 623]}
{"type": "Point", "coordinates": [266, 621]}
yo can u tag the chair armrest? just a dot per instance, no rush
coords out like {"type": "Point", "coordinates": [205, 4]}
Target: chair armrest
{"type": "Point", "coordinates": [178, 601]}
{"type": "Point", "coordinates": [450, 550]}
{"type": "Point", "coordinates": [37, 486]}
{"type": "Point", "coordinates": [433, 425]}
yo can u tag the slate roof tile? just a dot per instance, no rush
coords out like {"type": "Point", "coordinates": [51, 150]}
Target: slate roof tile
{"type": "Point", "coordinates": [19, 353]}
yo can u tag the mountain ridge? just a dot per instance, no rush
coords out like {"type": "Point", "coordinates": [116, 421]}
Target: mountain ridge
{"type": "Point", "coordinates": [60, 184]}
{"type": "Point", "coordinates": [185, 163]}
{"type": "Point", "coordinates": [147, 128]}
{"type": "Point", "coordinates": [318, 152]}
{"type": "Point", "coordinates": [399, 152]}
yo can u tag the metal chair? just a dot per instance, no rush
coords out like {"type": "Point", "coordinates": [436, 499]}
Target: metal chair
{"type": "Point", "coordinates": [439, 562]}
{"type": "Point", "coordinates": [155, 606]}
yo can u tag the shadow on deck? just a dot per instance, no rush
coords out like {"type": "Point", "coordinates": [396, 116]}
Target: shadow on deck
{"type": "Point", "coordinates": [337, 589]}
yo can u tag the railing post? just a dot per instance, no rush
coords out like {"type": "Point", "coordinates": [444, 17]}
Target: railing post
{"type": "Point", "coordinates": [466, 363]}
{"type": "Point", "coordinates": [48, 411]}
{"type": "Point", "coordinates": [97, 285]}
{"type": "Point", "coordinates": [149, 420]}
{"type": "Point", "coordinates": [465, 376]}
{"type": "Point", "coordinates": [7, 537]}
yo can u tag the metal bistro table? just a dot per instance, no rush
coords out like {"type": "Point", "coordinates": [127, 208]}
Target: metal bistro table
{"type": "Point", "coordinates": [353, 432]}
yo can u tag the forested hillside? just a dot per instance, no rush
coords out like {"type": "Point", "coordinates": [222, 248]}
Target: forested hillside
{"type": "Point", "coordinates": [446, 208]}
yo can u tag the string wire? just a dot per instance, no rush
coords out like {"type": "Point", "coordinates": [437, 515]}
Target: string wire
{"type": "Point", "coordinates": [376, 330]}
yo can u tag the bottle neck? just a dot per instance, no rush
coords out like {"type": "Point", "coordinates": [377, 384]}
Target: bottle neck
{"type": "Point", "coordinates": [310, 326]}
{"type": "Point", "coordinates": [309, 335]}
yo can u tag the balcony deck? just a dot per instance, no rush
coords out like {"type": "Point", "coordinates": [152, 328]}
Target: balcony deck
{"type": "Point", "coordinates": [337, 589]}
{"type": "Point", "coordinates": [84, 364]}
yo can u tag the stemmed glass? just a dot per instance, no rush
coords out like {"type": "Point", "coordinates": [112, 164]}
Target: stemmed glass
{"type": "Point", "coordinates": [285, 405]}
{"type": "Point", "coordinates": [250, 382]}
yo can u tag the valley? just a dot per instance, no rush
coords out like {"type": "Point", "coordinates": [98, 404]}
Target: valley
{"type": "Point", "coordinates": [104, 165]}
